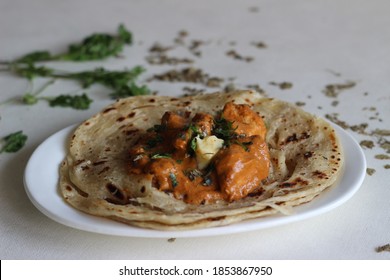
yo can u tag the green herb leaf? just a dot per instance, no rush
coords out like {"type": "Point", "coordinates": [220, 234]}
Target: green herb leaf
{"type": "Point", "coordinates": [161, 155]}
{"type": "Point", "coordinates": [207, 181]}
{"type": "Point", "coordinates": [157, 128]}
{"type": "Point", "coordinates": [98, 46]}
{"type": "Point", "coordinates": [123, 82]}
{"type": "Point", "coordinates": [224, 129]}
{"type": "Point", "coordinates": [244, 145]}
{"type": "Point", "coordinates": [36, 56]}
{"type": "Point", "coordinates": [29, 99]}
{"type": "Point", "coordinates": [192, 174]}
{"type": "Point", "coordinates": [194, 129]}
{"type": "Point", "coordinates": [13, 142]}
{"type": "Point", "coordinates": [125, 35]}
{"type": "Point", "coordinates": [79, 102]}
{"type": "Point", "coordinates": [173, 178]}
{"type": "Point", "coordinates": [130, 90]}
{"type": "Point", "coordinates": [193, 144]}
{"type": "Point", "coordinates": [151, 143]}
{"type": "Point", "coordinates": [94, 47]}
{"type": "Point", "coordinates": [112, 79]}
{"type": "Point", "coordinates": [31, 71]}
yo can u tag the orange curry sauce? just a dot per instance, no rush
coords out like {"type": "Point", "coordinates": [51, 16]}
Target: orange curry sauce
{"type": "Point", "coordinates": [167, 152]}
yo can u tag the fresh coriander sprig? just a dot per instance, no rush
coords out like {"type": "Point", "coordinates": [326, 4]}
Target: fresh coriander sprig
{"type": "Point", "coordinates": [13, 142]}
{"type": "Point", "coordinates": [78, 102]}
{"type": "Point", "coordinates": [122, 82]}
{"type": "Point", "coordinates": [31, 98]}
{"type": "Point", "coordinates": [97, 46]}
{"type": "Point", "coordinates": [110, 78]}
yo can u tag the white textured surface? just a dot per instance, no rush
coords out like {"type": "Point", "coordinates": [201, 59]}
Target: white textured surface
{"type": "Point", "coordinates": [307, 40]}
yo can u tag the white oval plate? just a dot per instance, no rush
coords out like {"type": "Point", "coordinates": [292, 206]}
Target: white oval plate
{"type": "Point", "coordinates": [42, 175]}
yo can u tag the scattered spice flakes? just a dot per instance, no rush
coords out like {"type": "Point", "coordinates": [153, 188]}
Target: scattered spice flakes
{"type": "Point", "coordinates": [257, 88]}
{"type": "Point", "coordinates": [300, 103]}
{"type": "Point", "coordinates": [230, 87]}
{"type": "Point", "coordinates": [182, 34]}
{"type": "Point", "coordinates": [384, 144]}
{"type": "Point", "coordinates": [161, 59]}
{"type": "Point", "coordinates": [335, 103]}
{"type": "Point", "coordinates": [259, 45]}
{"type": "Point", "coordinates": [367, 144]}
{"type": "Point", "coordinates": [188, 91]}
{"type": "Point", "coordinates": [282, 85]}
{"type": "Point", "coordinates": [235, 55]}
{"type": "Point", "coordinates": [254, 9]}
{"type": "Point", "coordinates": [189, 75]}
{"type": "Point", "coordinates": [337, 74]}
{"type": "Point", "coordinates": [334, 118]}
{"type": "Point", "coordinates": [370, 171]}
{"type": "Point", "coordinates": [384, 248]}
{"type": "Point", "coordinates": [381, 132]}
{"type": "Point", "coordinates": [387, 166]}
{"type": "Point", "coordinates": [333, 90]}
{"type": "Point", "coordinates": [382, 156]}
{"type": "Point", "coordinates": [158, 48]}
{"type": "Point", "coordinates": [194, 44]}
{"type": "Point", "coordinates": [158, 56]}
{"type": "Point", "coordinates": [359, 128]}
{"type": "Point", "coordinates": [369, 109]}
{"type": "Point", "coordinates": [194, 47]}
{"type": "Point", "coordinates": [171, 240]}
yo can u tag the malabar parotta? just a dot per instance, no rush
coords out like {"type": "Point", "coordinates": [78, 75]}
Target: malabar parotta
{"type": "Point", "coordinates": [306, 158]}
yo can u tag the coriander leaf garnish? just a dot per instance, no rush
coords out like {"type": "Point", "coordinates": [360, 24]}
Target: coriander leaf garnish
{"type": "Point", "coordinates": [151, 143]}
{"type": "Point", "coordinates": [207, 181]}
{"type": "Point", "coordinates": [244, 145]}
{"type": "Point", "coordinates": [130, 90]}
{"type": "Point", "coordinates": [193, 144]}
{"type": "Point", "coordinates": [13, 142]}
{"type": "Point", "coordinates": [79, 102]}
{"type": "Point", "coordinates": [224, 129]}
{"type": "Point", "coordinates": [160, 155]}
{"type": "Point", "coordinates": [193, 173]}
{"type": "Point", "coordinates": [98, 46]}
{"type": "Point", "coordinates": [157, 128]}
{"type": "Point", "coordinates": [173, 178]}
{"type": "Point", "coordinates": [35, 57]}
{"type": "Point", "coordinates": [30, 71]}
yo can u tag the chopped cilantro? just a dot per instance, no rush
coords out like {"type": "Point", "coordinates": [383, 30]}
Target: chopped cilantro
{"type": "Point", "coordinates": [160, 155]}
{"type": "Point", "coordinates": [173, 178]}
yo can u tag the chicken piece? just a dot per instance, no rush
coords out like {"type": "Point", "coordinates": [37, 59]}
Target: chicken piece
{"type": "Point", "coordinates": [138, 159]}
{"type": "Point", "coordinates": [164, 171]}
{"type": "Point", "coordinates": [241, 167]}
{"type": "Point", "coordinates": [246, 121]}
{"type": "Point", "coordinates": [172, 120]}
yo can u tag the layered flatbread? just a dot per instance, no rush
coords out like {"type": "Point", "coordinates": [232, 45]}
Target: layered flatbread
{"type": "Point", "coordinates": [99, 175]}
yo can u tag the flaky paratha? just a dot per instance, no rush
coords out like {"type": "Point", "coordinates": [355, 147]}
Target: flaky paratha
{"type": "Point", "coordinates": [306, 159]}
